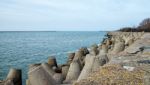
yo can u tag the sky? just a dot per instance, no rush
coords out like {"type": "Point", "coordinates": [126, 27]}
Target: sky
{"type": "Point", "coordinates": [71, 15]}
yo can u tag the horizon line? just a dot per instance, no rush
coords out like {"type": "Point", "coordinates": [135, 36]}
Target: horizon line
{"type": "Point", "coordinates": [54, 30]}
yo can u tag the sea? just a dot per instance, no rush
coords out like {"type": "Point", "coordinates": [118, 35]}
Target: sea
{"type": "Point", "coordinates": [19, 49]}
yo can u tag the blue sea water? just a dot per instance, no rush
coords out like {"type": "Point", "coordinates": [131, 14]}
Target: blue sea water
{"type": "Point", "coordinates": [19, 49]}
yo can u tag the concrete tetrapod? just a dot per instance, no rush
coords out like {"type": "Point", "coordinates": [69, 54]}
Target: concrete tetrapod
{"type": "Point", "coordinates": [8, 82]}
{"type": "Point", "coordinates": [103, 59]}
{"type": "Point", "coordinates": [85, 50]}
{"type": "Point", "coordinates": [130, 42]}
{"type": "Point", "coordinates": [99, 60]}
{"type": "Point", "coordinates": [73, 72]}
{"type": "Point", "coordinates": [89, 59]}
{"type": "Point", "coordinates": [96, 63]}
{"type": "Point", "coordinates": [118, 47]}
{"type": "Point", "coordinates": [32, 66]}
{"type": "Point", "coordinates": [70, 58]}
{"type": "Point", "coordinates": [79, 57]}
{"type": "Point", "coordinates": [28, 82]}
{"type": "Point", "coordinates": [38, 76]}
{"type": "Point", "coordinates": [58, 78]}
{"type": "Point", "coordinates": [108, 42]}
{"type": "Point", "coordinates": [94, 50]}
{"type": "Point", "coordinates": [14, 77]}
{"type": "Point", "coordinates": [104, 49]}
{"type": "Point", "coordinates": [52, 61]}
{"type": "Point", "coordinates": [47, 68]}
{"type": "Point", "coordinates": [65, 71]}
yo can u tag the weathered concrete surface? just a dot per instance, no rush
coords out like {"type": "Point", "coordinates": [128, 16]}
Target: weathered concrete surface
{"type": "Point", "coordinates": [58, 78]}
{"type": "Point", "coordinates": [14, 77]}
{"type": "Point", "coordinates": [87, 69]}
{"type": "Point", "coordinates": [140, 44]}
{"type": "Point", "coordinates": [73, 72]}
{"type": "Point", "coordinates": [1, 82]}
{"type": "Point", "coordinates": [38, 76]}
{"type": "Point", "coordinates": [135, 56]}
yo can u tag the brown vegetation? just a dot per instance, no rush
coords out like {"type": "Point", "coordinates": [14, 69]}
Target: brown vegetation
{"type": "Point", "coordinates": [114, 75]}
{"type": "Point", "coordinates": [143, 26]}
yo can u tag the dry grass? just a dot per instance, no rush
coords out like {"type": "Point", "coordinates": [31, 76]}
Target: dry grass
{"type": "Point", "coordinates": [146, 53]}
{"type": "Point", "coordinates": [114, 75]}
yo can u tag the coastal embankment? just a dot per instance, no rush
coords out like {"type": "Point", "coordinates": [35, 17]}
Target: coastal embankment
{"type": "Point", "coordinates": [123, 58]}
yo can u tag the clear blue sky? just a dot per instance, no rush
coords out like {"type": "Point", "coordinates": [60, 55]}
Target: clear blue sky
{"type": "Point", "coordinates": [71, 15]}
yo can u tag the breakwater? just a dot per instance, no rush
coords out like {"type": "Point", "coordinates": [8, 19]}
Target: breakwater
{"type": "Point", "coordinates": [118, 48]}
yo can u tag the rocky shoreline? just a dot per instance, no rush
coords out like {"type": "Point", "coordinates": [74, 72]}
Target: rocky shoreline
{"type": "Point", "coordinates": [123, 58]}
